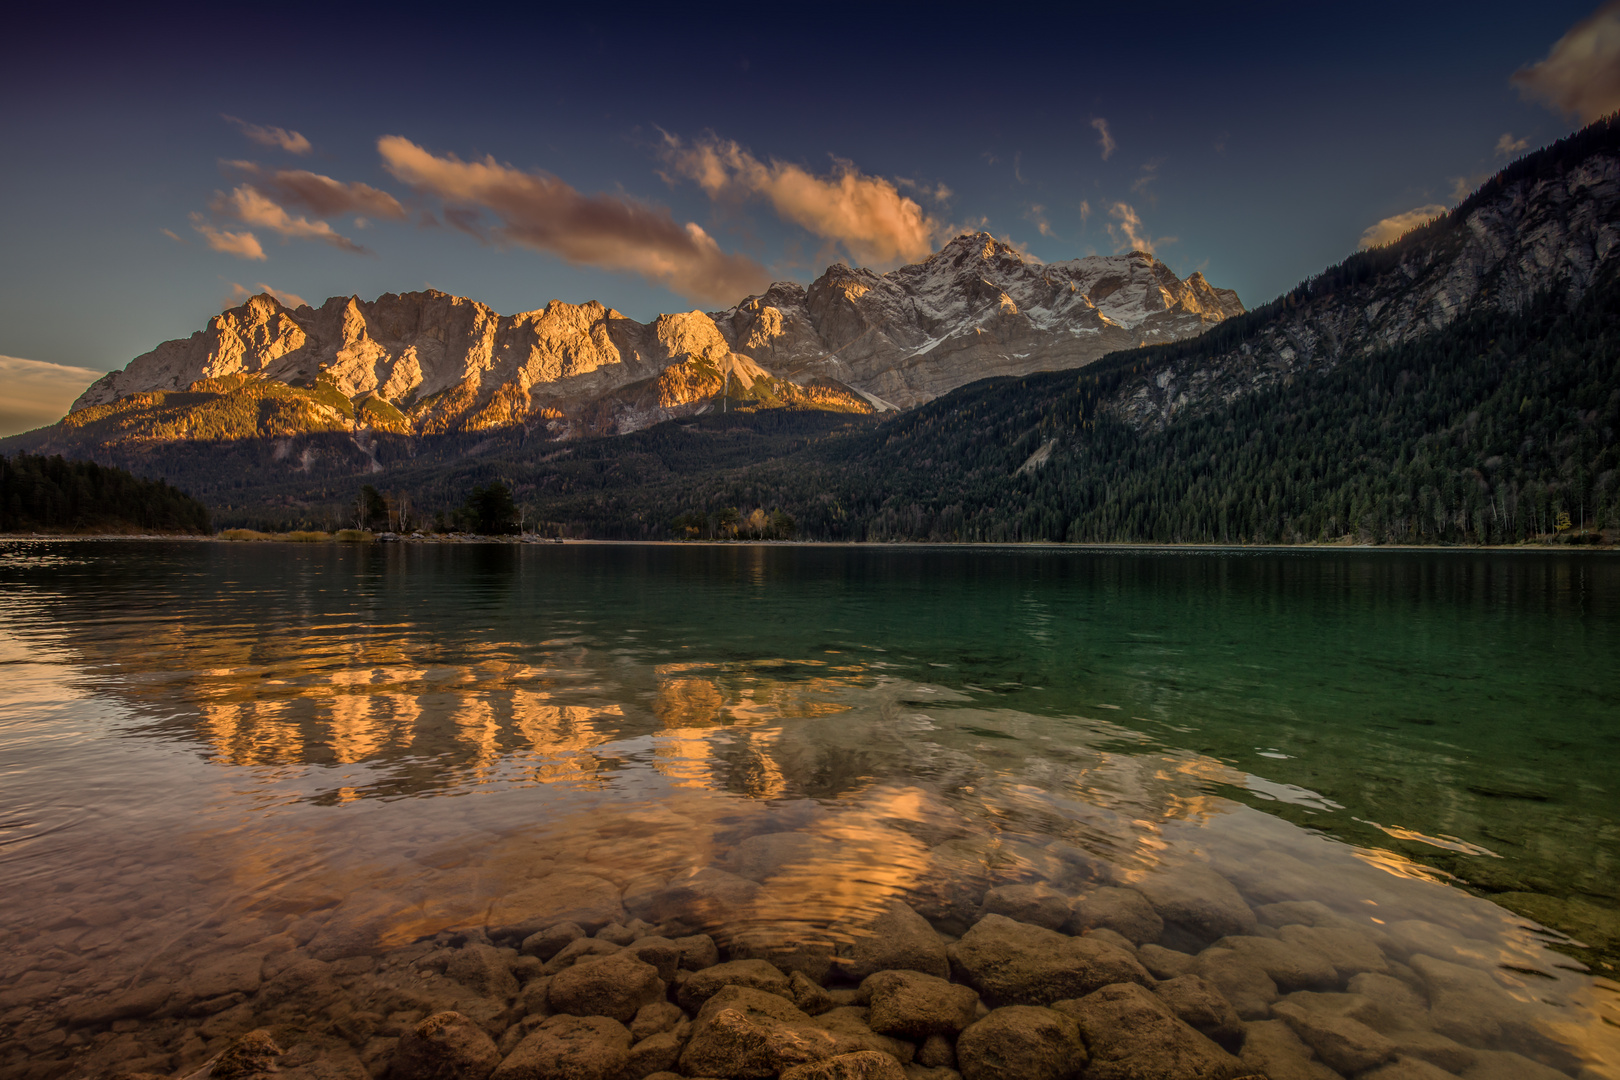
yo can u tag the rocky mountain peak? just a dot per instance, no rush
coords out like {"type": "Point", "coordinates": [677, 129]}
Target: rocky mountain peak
{"type": "Point", "coordinates": [851, 339]}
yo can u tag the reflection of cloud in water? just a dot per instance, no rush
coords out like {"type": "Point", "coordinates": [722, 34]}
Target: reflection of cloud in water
{"type": "Point", "coordinates": [1447, 843]}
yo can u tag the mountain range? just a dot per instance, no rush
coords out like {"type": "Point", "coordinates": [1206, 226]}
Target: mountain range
{"type": "Point", "coordinates": [1461, 384]}
{"type": "Point", "coordinates": [429, 363]}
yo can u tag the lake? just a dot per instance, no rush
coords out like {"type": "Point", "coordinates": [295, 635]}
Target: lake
{"type": "Point", "coordinates": [337, 755]}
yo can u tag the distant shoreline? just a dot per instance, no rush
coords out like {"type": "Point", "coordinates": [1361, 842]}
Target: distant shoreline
{"type": "Point", "coordinates": [1029, 545]}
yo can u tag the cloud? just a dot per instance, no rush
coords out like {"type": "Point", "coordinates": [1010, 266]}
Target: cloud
{"type": "Point", "coordinates": [1130, 234]}
{"type": "Point", "coordinates": [1463, 186]}
{"type": "Point", "coordinates": [1085, 211]}
{"type": "Point", "coordinates": [1393, 228]}
{"type": "Point", "coordinates": [38, 393]}
{"type": "Point", "coordinates": [939, 193]}
{"type": "Point", "coordinates": [1507, 145]}
{"type": "Point", "coordinates": [176, 237]}
{"type": "Point", "coordinates": [251, 206]}
{"type": "Point", "coordinates": [1104, 138]}
{"type": "Point", "coordinates": [1036, 213]}
{"type": "Point", "coordinates": [867, 215]}
{"type": "Point", "coordinates": [1581, 72]}
{"type": "Point", "coordinates": [239, 294]}
{"type": "Point", "coordinates": [320, 195]}
{"type": "Point", "coordinates": [277, 138]}
{"type": "Point", "coordinates": [244, 245]}
{"type": "Point", "coordinates": [544, 213]}
{"type": "Point", "coordinates": [1022, 250]}
{"type": "Point", "coordinates": [1150, 173]}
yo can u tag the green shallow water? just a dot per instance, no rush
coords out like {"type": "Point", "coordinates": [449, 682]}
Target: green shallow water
{"type": "Point", "coordinates": [238, 735]}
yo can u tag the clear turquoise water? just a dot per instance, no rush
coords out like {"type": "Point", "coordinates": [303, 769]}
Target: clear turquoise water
{"type": "Point", "coordinates": [251, 730]}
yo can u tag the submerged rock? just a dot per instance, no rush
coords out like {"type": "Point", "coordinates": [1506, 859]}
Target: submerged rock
{"type": "Point", "coordinates": [754, 974]}
{"type": "Point", "coordinates": [1203, 1008]}
{"type": "Point", "coordinates": [1124, 911]}
{"type": "Point", "coordinates": [1035, 903]}
{"type": "Point", "coordinates": [861, 1065]}
{"type": "Point", "coordinates": [1404, 1068]}
{"type": "Point", "coordinates": [787, 952]}
{"type": "Point", "coordinates": [1199, 902]}
{"type": "Point", "coordinates": [1290, 966]}
{"type": "Point", "coordinates": [1022, 1042]}
{"type": "Point", "coordinates": [849, 1027]}
{"type": "Point", "coordinates": [1343, 1043]}
{"type": "Point", "coordinates": [1132, 1035]}
{"type": "Point", "coordinates": [547, 943]}
{"type": "Point", "coordinates": [1240, 981]}
{"type": "Point", "coordinates": [1271, 1048]}
{"type": "Point", "coordinates": [591, 902]}
{"type": "Point", "coordinates": [912, 1005]}
{"type": "Point", "coordinates": [706, 899]}
{"type": "Point", "coordinates": [660, 952]}
{"type": "Point", "coordinates": [808, 995]}
{"type": "Point", "coordinates": [698, 951]}
{"type": "Point", "coordinates": [445, 1046]}
{"type": "Point", "coordinates": [1014, 963]}
{"type": "Point", "coordinates": [575, 951]}
{"type": "Point", "coordinates": [616, 986]}
{"type": "Point", "coordinates": [484, 970]}
{"type": "Point", "coordinates": [742, 1034]}
{"type": "Point", "coordinates": [656, 1017]}
{"type": "Point", "coordinates": [654, 1054]}
{"type": "Point", "coordinates": [251, 1055]}
{"type": "Point", "coordinates": [1166, 963]}
{"type": "Point", "coordinates": [1350, 951]}
{"type": "Point", "coordinates": [569, 1048]}
{"type": "Point", "coordinates": [898, 938]}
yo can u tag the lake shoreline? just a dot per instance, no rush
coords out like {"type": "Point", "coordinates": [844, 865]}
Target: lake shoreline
{"type": "Point", "coordinates": [933, 545]}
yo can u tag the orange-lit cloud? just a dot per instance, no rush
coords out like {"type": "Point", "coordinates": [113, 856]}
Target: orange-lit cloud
{"type": "Point", "coordinates": [240, 293]}
{"type": "Point", "coordinates": [277, 138]}
{"type": "Point", "coordinates": [1581, 72]}
{"type": "Point", "coordinates": [1150, 173]}
{"type": "Point", "coordinates": [244, 245]}
{"type": "Point", "coordinates": [38, 393]}
{"type": "Point", "coordinates": [1037, 215]}
{"type": "Point", "coordinates": [1105, 139]}
{"type": "Point", "coordinates": [867, 215]}
{"type": "Point", "coordinates": [544, 213]}
{"type": "Point", "coordinates": [1463, 186]}
{"type": "Point", "coordinates": [1396, 226]}
{"type": "Point", "coordinates": [1507, 145]}
{"type": "Point", "coordinates": [251, 206]}
{"type": "Point", "coordinates": [320, 195]}
{"type": "Point", "coordinates": [1128, 233]}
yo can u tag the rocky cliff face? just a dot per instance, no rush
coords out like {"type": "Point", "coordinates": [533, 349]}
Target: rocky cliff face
{"type": "Point", "coordinates": [442, 362]}
{"type": "Point", "coordinates": [855, 340]}
{"type": "Point", "coordinates": [975, 309]}
{"type": "Point", "coordinates": [1549, 222]}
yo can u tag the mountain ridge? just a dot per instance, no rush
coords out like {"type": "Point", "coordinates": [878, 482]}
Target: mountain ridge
{"type": "Point", "coordinates": [429, 363]}
{"type": "Point", "coordinates": [1550, 220]}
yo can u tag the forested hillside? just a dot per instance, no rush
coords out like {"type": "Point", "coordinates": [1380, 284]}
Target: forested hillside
{"type": "Point", "coordinates": [40, 494]}
{"type": "Point", "coordinates": [1481, 433]}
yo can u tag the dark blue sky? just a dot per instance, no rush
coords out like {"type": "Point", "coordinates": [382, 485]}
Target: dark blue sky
{"type": "Point", "coordinates": [1254, 142]}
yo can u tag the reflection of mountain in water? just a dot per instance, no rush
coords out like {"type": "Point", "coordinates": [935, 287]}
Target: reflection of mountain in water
{"type": "Point", "coordinates": [374, 749]}
{"type": "Point", "coordinates": [1356, 689]}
